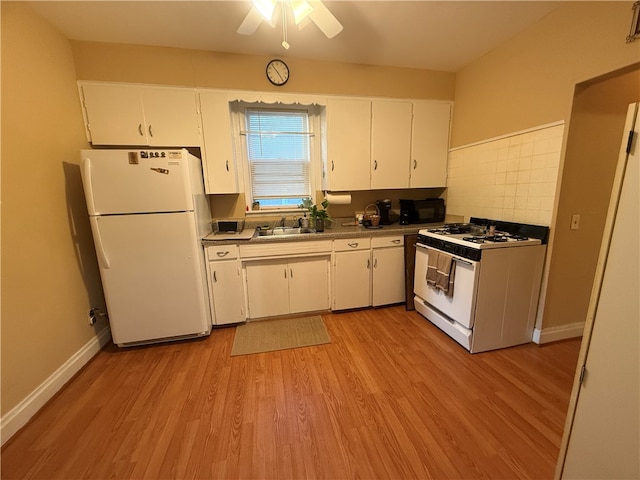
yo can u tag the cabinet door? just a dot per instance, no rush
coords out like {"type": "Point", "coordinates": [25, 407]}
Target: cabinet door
{"type": "Point", "coordinates": [218, 160]}
{"type": "Point", "coordinates": [171, 117]}
{"type": "Point", "coordinates": [114, 114]}
{"type": "Point", "coordinates": [390, 144]}
{"type": "Point", "coordinates": [430, 144]}
{"type": "Point", "coordinates": [309, 285]}
{"type": "Point", "coordinates": [348, 144]}
{"type": "Point", "coordinates": [388, 276]}
{"type": "Point", "coordinates": [352, 279]}
{"type": "Point", "coordinates": [267, 288]}
{"type": "Point", "coordinates": [227, 292]}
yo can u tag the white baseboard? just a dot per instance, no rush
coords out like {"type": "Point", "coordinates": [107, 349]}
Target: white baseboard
{"type": "Point", "coordinates": [18, 416]}
{"type": "Point", "coordinates": [562, 332]}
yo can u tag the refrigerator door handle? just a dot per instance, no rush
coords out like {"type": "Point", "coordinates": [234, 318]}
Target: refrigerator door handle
{"type": "Point", "coordinates": [88, 186]}
{"type": "Point", "coordinates": [102, 254]}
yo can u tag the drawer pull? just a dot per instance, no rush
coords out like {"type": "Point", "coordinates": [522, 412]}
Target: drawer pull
{"type": "Point", "coordinates": [396, 241]}
{"type": "Point", "coordinates": [353, 244]}
{"type": "Point", "coordinates": [223, 254]}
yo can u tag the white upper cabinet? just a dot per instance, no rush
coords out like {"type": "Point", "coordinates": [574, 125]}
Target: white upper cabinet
{"type": "Point", "coordinates": [348, 151]}
{"type": "Point", "coordinates": [218, 160]}
{"type": "Point", "coordinates": [390, 144]}
{"type": "Point", "coordinates": [118, 114]}
{"type": "Point", "coordinates": [429, 144]}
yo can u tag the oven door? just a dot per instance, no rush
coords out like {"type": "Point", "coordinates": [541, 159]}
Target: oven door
{"type": "Point", "coordinates": [460, 307]}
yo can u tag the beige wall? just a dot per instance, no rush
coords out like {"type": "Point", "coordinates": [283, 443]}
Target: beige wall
{"type": "Point", "coordinates": [174, 66]}
{"type": "Point", "coordinates": [49, 270]}
{"type": "Point", "coordinates": [529, 80]}
{"type": "Point", "coordinates": [593, 145]}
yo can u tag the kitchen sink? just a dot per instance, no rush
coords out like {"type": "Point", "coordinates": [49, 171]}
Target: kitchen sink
{"type": "Point", "coordinates": [284, 231]}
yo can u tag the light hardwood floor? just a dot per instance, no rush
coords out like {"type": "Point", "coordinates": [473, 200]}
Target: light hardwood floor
{"type": "Point", "coordinates": [390, 397]}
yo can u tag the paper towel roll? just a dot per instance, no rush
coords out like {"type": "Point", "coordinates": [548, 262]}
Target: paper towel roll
{"type": "Point", "coordinates": [338, 198]}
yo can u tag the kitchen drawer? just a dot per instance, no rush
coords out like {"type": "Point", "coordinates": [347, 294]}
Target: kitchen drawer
{"type": "Point", "coordinates": [387, 241]}
{"type": "Point", "coordinates": [222, 252]}
{"type": "Point", "coordinates": [279, 249]}
{"type": "Point", "coordinates": [350, 244]}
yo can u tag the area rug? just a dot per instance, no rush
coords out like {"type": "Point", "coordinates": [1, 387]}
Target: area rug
{"type": "Point", "coordinates": [279, 334]}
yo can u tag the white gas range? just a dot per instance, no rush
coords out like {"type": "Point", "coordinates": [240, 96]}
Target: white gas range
{"type": "Point", "coordinates": [494, 280]}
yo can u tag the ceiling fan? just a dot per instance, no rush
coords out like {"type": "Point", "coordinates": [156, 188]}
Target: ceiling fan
{"type": "Point", "coordinates": [303, 10]}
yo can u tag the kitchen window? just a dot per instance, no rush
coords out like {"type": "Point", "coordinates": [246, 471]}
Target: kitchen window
{"type": "Point", "coordinates": [277, 143]}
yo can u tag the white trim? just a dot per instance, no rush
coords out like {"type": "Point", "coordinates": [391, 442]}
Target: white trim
{"type": "Point", "coordinates": [508, 135]}
{"type": "Point", "coordinates": [18, 416]}
{"type": "Point", "coordinates": [562, 332]}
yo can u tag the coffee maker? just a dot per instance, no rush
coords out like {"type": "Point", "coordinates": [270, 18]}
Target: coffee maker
{"type": "Point", "coordinates": [385, 208]}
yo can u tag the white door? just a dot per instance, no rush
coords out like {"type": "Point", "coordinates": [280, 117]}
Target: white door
{"type": "Point", "coordinates": [227, 292]}
{"type": "Point", "coordinates": [388, 276]}
{"type": "Point", "coordinates": [267, 288]}
{"type": "Point", "coordinates": [152, 275]}
{"type": "Point", "coordinates": [352, 279]}
{"type": "Point", "coordinates": [115, 114]}
{"type": "Point", "coordinates": [429, 144]}
{"type": "Point", "coordinates": [390, 143]}
{"type": "Point", "coordinates": [121, 181]}
{"type": "Point", "coordinates": [348, 143]}
{"type": "Point", "coordinates": [604, 439]}
{"type": "Point", "coordinates": [309, 284]}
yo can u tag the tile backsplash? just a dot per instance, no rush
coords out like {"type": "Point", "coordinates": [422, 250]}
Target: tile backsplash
{"type": "Point", "coordinates": [512, 178]}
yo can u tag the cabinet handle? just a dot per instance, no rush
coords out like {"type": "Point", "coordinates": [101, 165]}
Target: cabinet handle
{"type": "Point", "coordinates": [375, 164]}
{"type": "Point", "coordinates": [140, 130]}
{"type": "Point", "coordinates": [291, 272]}
{"type": "Point", "coordinates": [415, 163]}
{"type": "Point", "coordinates": [396, 241]}
{"type": "Point", "coordinates": [150, 131]}
{"type": "Point", "coordinates": [227, 165]}
{"type": "Point", "coordinates": [353, 244]}
{"type": "Point", "coordinates": [285, 273]}
{"type": "Point", "coordinates": [375, 263]}
{"type": "Point", "coordinates": [332, 165]}
{"type": "Point", "coordinates": [223, 254]}
{"type": "Point", "coordinates": [368, 263]}
{"type": "Point", "coordinates": [215, 278]}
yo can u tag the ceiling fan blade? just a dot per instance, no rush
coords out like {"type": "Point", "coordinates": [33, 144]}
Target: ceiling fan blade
{"type": "Point", "coordinates": [324, 19]}
{"type": "Point", "coordinates": [250, 23]}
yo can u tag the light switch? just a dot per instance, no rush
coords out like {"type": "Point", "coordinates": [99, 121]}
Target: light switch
{"type": "Point", "coordinates": [575, 222]}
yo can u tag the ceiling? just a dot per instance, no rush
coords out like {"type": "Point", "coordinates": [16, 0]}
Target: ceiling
{"type": "Point", "coordinates": [435, 35]}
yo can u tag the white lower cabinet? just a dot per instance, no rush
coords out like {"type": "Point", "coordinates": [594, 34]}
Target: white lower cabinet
{"type": "Point", "coordinates": [368, 271]}
{"type": "Point", "coordinates": [282, 278]}
{"type": "Point", "coordinates": [226, 291]}
{"type": "Point", "coordinates": [387, 279]}
{"type": "Point", "coordinates": [351, 273]}
{"type": "Point", "coordinates": [283, 286]}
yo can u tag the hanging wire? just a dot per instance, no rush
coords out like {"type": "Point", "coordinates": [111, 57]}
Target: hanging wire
{"type": "Point", "coordinates": [285, 44]}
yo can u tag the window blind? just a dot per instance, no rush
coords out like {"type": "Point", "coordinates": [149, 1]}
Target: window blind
{"type": "Point", "coordinates": [278, 153]}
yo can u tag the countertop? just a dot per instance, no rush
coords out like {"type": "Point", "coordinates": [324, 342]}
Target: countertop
{"type": "Point", "coordinates": [337, 230]}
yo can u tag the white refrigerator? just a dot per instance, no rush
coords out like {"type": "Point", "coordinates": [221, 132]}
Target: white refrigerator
{"type": "Point", "coordinates": [148, 213]}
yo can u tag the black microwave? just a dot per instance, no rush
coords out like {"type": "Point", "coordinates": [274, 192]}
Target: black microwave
{"type": "Point", "coordinates": [429, 210]}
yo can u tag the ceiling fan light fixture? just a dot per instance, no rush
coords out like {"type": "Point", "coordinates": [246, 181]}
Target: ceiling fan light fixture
{"type": "Point", "coordinates": [301, 10]}
{"type": "Point", "coordinates": [265, 8]}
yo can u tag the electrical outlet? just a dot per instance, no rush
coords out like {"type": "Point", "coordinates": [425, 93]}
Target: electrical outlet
{"type": "Point", "coordinates": [93, 315]}
{"type": "Point", "coordinates": [575, 222]}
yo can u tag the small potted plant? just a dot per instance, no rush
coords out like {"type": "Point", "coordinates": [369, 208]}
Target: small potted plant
{"type": "Point", "coordinates": [319, 216]}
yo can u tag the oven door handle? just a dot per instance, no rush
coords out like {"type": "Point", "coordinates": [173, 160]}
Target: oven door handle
{"type": "Point", "coordinates": [456, 259]}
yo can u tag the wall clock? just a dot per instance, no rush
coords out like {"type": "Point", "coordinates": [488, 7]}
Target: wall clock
{"type": "Point", "coordinates": [277, 72]}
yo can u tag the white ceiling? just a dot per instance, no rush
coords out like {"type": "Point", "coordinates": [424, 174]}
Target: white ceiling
{"type": "Point", "coordinates": [437, 35]}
